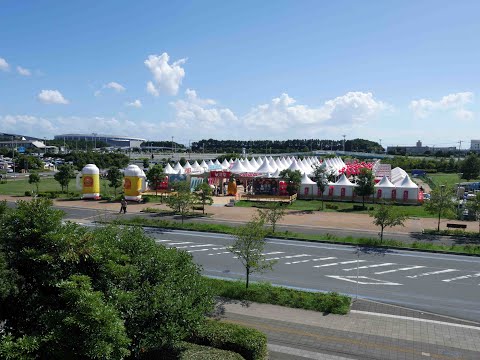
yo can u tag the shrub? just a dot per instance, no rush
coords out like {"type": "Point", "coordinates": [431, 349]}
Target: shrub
{"type": "Point", "coordinates": [28, 193]}
{"type": "Point", "coordinates": [199, 352]}
{"type": "Point", "coordinates": [331, 206]}
{"type": "Point", "coordinates": [249, 343]}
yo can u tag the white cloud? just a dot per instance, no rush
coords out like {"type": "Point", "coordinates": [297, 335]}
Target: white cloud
{"type": "Point", "coordinates": [168, 78]}
{"type": "Point", "coordinates": [115, 86]}
{"type": "Point", "coordinates": [137, 103]}
{"type": "Point", "coordinates": [282, 113]}
{"type": "Point", "coordinates": [52, 97]}
{"type": "Point", "coordinates": [23, 71]}
{"type": "Point", "coordinates": [4, 65]}
{"type": "Point", "coordinates": [151, 89]}
{"type": "Point", "coordinates": [455, 103]}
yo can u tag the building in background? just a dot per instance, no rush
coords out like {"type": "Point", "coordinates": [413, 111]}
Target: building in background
{"type": "Point", "coordinates": [112, 140]}
{"type": "Point", "coordinates": [419, 149]}
{"type": "Point", "coordinates": [475, 145]}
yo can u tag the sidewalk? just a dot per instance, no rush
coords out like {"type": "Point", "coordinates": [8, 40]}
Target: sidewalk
{"type": "Point", "coordinates": [301, 334]}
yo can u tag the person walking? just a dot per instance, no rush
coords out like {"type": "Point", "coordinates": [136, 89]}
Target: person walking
{"type": "Point", "coordinates": [123, 206]}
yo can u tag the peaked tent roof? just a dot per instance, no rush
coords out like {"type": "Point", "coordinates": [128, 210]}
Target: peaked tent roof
{"type": "Point", "coordinates": [407, 183]}
{"type": "Point", "coordinates": [265, 168]}
{"type": "Point", "coordinates": [203, 164]}
{"type": "Point", "coordinates": [169, 170]}
{"type": "Point", "coordinates": [276, 174]}
{"type": "Point", "coordinates": [210, 163]}
{"type": "Point", "coordinates": [225, 164]}
{"type": "Point", "coordinates": [307, 181]}
{"type": "Point", "coordinates": [344, 181]}
{"type": "Point", "coordinates": [238, 168]}
{"type": "Point", "coordinates": [294, 166]}
{"type": "Point", "coordinates": [384, 183]}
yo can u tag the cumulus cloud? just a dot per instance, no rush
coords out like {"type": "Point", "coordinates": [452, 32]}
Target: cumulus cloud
{"type": "Point", "coordinates": [455, 103]}
{"type": "Point", "coordinates": [167, 77]}
{"type": "Point", "coordinates": [27, 125]}
{"type": "Point", "coordinates": [111, 85]}
{"type": "Point", "coordinates": [137, 103]}
{"type": "Point", "coordinates": [51, 97]}
{"type": "Point", "coordinates": [196, 113]}
{"type": "Point", "coordinates": [23, 71]}
{"type": "Point", "coordinates": [283, 113]}
{"type": "Point", "coordinates": [4, 65]}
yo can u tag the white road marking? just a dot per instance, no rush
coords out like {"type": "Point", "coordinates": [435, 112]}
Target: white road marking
{"type": "Point", "coordinates": [274, 253]}
{"type": "Point", "coordinates": [401, 269]}
{"type": "Point", "coordinates": [303, 261]}
{"type": "Point", "coordinates": [195, 246]}
{"type": "Point", "coordinates": [288, 257]}
{"type": "Point", "coordinates": [303, 353]}
{"type": "Point", "coordinates": [220, 253]}
{"type": "Point", "coordinates": [369, 266]}
{"type": "Point", "coordinates": [190, 251]}
{"type": "Point", "coordinates": [339, 263]}
{"type": "Point", "coordinates": [362, 280]}
{"type": "Point", "coordinates": [162, 240]}
{"type": "Point", "coordinates": [180, 243]}
{"type": "Point", "coordinates": [462, 277]}
{"type": "Point", "coordinates": [431, 273]}
{"type": "Point", "coordinates": [220, 248]}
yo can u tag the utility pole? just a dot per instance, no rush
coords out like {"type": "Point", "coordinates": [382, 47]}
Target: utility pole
{"type": "Point", "coordinates": [13, 156]}
{"type": "Point", "coordinates": [381, 148]}
{"type": "Point", "coordinates": [172, 147]}
{"type": "Point", "coordinates": [344, 142]}
{"type": "Point", "coordinates": [459, 148]}
{"type": "Point", "coordinates": [189, 149]}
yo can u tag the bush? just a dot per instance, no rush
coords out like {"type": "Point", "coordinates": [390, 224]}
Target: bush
{"type": "Point", "coordinates": [199, 352]}
{"type": "Point", "coordinates": [28, 193]}
{"type": "Point", "coordinates": [249, 343]}
{"type": "Point", "coordinates": [359, 207]}
{"type": "Point", "coordinates": [331, 206]}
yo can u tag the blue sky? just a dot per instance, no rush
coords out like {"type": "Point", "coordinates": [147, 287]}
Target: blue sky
{"type": "Point", "coordinates": [396, 71]}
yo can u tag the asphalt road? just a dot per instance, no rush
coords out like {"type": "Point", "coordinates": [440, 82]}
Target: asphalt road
{"type": "Point", "coordinates": [437, 283]}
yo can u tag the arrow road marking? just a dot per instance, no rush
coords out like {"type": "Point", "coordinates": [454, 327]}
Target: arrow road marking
{"type": "Point", "coordinates": [363, 280]}
{"type": "Point", "coordinates": [339, 263]}
{"type": "Point", "coordinates": [401, 269]}
{"type": "Point", "coordinates": [369, 266]}
{"type": "Point", "coordinates": [431, 273]}
{"type": "Point", "coordinates": [462, 277]}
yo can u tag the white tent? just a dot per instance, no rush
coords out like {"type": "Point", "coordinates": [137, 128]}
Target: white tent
{"type": "Point", "coordinates": [384, 189]}
{"type": "Point", "coordinates": [169, 170]}
{"type": "Point", "coordinates": [307, 187]}
{"type": "Point", "coordinates": [343, 188]}
{"type": "Point", "coordinates": [276, 174]}
{"type": "Point", "coordinates": [204, 165]}
{"type": "Point", "coordinates": [265, 168]}
{"type": "Point", "coordinates": [231, 161]}
{"type": "Point", "coordinates": [294, 167]}
{"type": "Point", "coordinates": [254, 163]}
{"type": "Point", "coordinates": [407, 190]}
{"type": "Point", "coordinates": [397, 175]}
{"type": "Point", "coordinates": [279, 164]}
{"type": "Point", "coordinates": [210, 163]}
{"type": "Point", "coordinates": [238, 168]}
{"type": "Point", "coordinates": [179, 168]}
{"type": "Point", "coordinates": [225, 165]}
{"type": "Point", "coordinates": [217, 163]}
{"type": "Point", "coordinates": [249, 166]}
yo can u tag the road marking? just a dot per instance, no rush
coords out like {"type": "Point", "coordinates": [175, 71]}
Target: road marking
{"type": "Point", "coordinates": [274, 253]}
{"type": "Point", "coordinates": [339, 263]}
{"type": "Point", "coordinates": [304, 261]}
{"type": "Point", "coordinates": [195, 246]}
{"type": "Point", "coordinates": [431, 273]}
{"type": "Point", "coordinates": [362, 280]}
{"type": "Point", "coordinates": [369, 266]}
{"type": "Point", "coordinates": [288, 257]}
{"type": "Point", "coordinates": [220, 253]}
{"type": "Point", "coordinates": [180, 243]}
{"type": "Point", "coordinates": [304, 353]}
{"type": "Point", "coordinates": [190, 251]}
{"type": "Point", "coordinates": [401, 269]}
{"type": "Point", "coordinates": [220, 248]}
{"type": "Point", "coordinates": [162, 240]}
{"type": "Point", "coordinates": [462, 277]}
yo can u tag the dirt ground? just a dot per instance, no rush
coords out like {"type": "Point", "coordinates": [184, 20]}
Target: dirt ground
{"type": "Point", "coordinates": [238, 214]}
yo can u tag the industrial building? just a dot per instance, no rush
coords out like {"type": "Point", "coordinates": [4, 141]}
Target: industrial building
{"type": "Point", "coordinates": [111, 140]}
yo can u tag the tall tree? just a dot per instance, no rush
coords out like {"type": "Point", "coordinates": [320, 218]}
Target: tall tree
{"type": "Point", "coordinates": [182, 200]}
{"type": "Point", "coordinates": [155, 176]}
{"type": "Point", "coordinates": [293, 180]}
{"type": "Point", "coordinates": [34, 178]}
{"type": "Point", "coordinates": [470, 167]}
{"type": "Point", "coordinates": [203, 195]}
{"type": "Point", "coordinates": [387, 216]}
{"type": "Point", "coordinates": [441, 203]}
{"type": "Point", "coordinates": [474, 207]}
{"type": "Point", "coordinates": [64, 174]}
{"type": "Point", "coordinates": [321, 178]}
{"type": "Point", "coordinates": [114, 176]}
{"type": "Point", "coordinates": [365, 184]}
{"type": "Point", "coordinates": [272, 214]}
{"type": "Point", "coordinates": [249, 246]}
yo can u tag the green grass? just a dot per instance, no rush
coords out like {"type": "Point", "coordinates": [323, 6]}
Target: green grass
{"type": "Point", "coordinates": [18, 187]}
{"type": "Point", "coordinates": [448, 180]}
{"type": "Point", "coordinates": [369, 242]}
{"type": "Point", "coordinates": [333, 303]}
{"type": "Point", "coordinates": [346, 207]}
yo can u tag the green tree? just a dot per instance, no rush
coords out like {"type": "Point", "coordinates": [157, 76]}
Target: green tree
{"type": "Point", "coordinates": [321, 177]}
{"type": "Point", "coordinates": [78, 293]}
{"type": "Point", "coordinates": [470, 167]}
{"type": "Point", "coordinates": [203, 195]}
{"type": "Point", "coordinates": [387, 216]}
{"type": "Point", "coordinates": [272, 214]}
{"type": "Point", "coordinates": [365, 184]}
{"type": "Point", "coordinates": [441, 203]}
{"type": "Point", "coordinates": [34, 179]}
{"type": "Point", "coordinates": [155, 176]}
{"type": "Point", "coordinates": [293, 180]}
{"type": "Point", "coordinates": [114, 176]}
{"type": "Point", "coordinates": [474, 207]}
{"type": "Point", "coordinates": [64, 174]}
{"type": "Point", "coordinates": [146, 163]}
{"type": "Point", "coordinates": [248, 247]}
{"type": "Point", "coordinates": [181, 202]}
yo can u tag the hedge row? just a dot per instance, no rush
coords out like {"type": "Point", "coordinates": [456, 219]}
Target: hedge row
{"type": "Point", "coordinates": [266, 293]}
{"type": "Point", "coordinates": [251, 344]}
{"type": "Point", "coordinates": [200, 352]}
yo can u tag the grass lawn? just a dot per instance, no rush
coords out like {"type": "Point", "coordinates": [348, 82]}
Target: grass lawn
{"type": "Point", "coordinates": [18, 187]}
{"type": "Point", "coordinates": [343, 207]}
{"type": "Point", "coordinates": [448, 180]}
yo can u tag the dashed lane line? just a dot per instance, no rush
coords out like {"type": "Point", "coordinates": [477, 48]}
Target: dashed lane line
{"type": "Point", "coordinates": [400, 269]}
{"type": "Point", "coordinates": [462, 277]}
{"type": "Point", "coordinates": [190, 251]}
{"type": "Point", "coordinates": [194, 246]}
{"type": "Point", "coordinates": [180, 243]}
{"type": "Point", "coordinates": [288, 257]}
{"type": "Point", "coordinates": [431, 273]}
{"type": "Point", "coordinates": [339, 263]}
{"type": "Point", "coordinates": [304, 261]}
{"type": "Point", "coordinates": [220, 253]}
{"type": "Point", "coordinates": [369, 266]}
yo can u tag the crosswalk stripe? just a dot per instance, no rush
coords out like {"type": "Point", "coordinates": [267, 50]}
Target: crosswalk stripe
{"type": "Point", "coordinates": [304, 261]}
{"type": "Point", "coordinates": [431, 273]}
{"type": "Point", "coordinates": [180, 243]}
{"type": "Point", "coordinates": [273, 253]}
{"type": "Point", "coordinates": [288, 257]}
{"type": "Point", "coordinates": [369, 266]}
{"type": "Point", "coordinates": [339, 263]}
{"type": "Point", "coordinates": [162, 240]}
{"type": "Point", "coordinates": [401, 269]}
{"type": "Point", "coordinates": [462, 277]}
{"type": "Point", "coordinates": [195, 246]}
{"type": "Point", "coordinates": [220, 253]}
{"type": "Point", "coordinates": [190, 251]}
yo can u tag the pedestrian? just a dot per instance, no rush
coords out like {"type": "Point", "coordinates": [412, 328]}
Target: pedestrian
{"type": "Point", "coordinates": [123, 206]}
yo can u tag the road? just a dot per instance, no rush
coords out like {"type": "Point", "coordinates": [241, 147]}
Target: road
{"type": "Point", "coordinates": [437, 283]}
